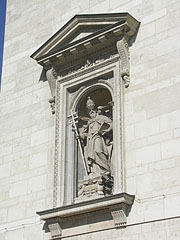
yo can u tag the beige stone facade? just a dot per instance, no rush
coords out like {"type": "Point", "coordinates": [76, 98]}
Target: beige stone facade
{"type": "Point", "coordinates": [151, 122]}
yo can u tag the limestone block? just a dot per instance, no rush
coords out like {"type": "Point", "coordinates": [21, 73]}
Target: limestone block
{"type": "Point", "coordinates": [127, 6]}
{"type": "Point", "coordinates": [172, 205]}
{"type": "Point", "coordinates": [146, 228]}
{"type": "Point", "coordinates": [4, 190]}
{"type": "Point", "coordinates": [144, 183]}
{"type": "Point", "coordinates": [17, 189]}
{"type": "Point", "coordinates": [147, 128]}
{"type": "Point", "coordinates": [14, 122]}
{"type": "Point", "coordinates": [173, 234]}
{"type": "Point", "coordinates": [34, 206]}
{"type": "Point", "coordinates": [159, 235]}
{"type": "Point", "coordinates": [17, 212]}
{"type": "Point", "coordinates": [21, 143]}
{"type": "Point", "coordinates": [138, 170]}
{"type": "Point", "coordinates": [137, 143]}
{"type": "Point", "coordinates": [69, 14]}
{"type": "Point", "coordinates": [172, 31]}
{"type": "Point", "coordinates": [173, 223]}
{"type": "Point", "coordinates": [9, 70]}
{"type": "Point", "coordinates": [41, 94]}
{"type": "Point", "coordinates": [158, 226]}
{"type": "Point", "coordinates": [24, 101]}
{"type": "Point", "coordinates": [147, 31]}
{"type": "Point", "coordinates": [177, 133]}
{"type": "Point", "coordinates": [117, 3]}
{"type": "Point", "coordinates": [3, 216]}
{"type": "Point", "coordinates": [11, 136]}
{"type": "Point", "coordinates": [158, 138]}
{"type": "Point", "coordinates": [5, 170]}
{"type": "Point", "coordinates": [131, 185]}
{"type": "Point", "coordinates": [169, 21]}
{"type": "Point", "coordinates": [158, 102]}
{"type": "Point", "coordinates": [2, 235]}
{"type": "Point", "coordinates": [39, 137]}
{"type": "Point", "coordinates": [165, 179]}
{"type": "Point", "coordinates": [37, 183]}
{"type": "Point", "coordinates": [168, 45]}
{"type": "Point", "coordinates": [38, 160]}
{"type": "Point", "coordinates": [34, 232]}
{"type": "Point", "coordinates": [101, 7]}
{"type": "Point", "coordinates": [167, 71]}
{"type": "Point", "coordinates": [170, 148]}
{"type": "Point", "coordinates": [134, 94]}
{"type": "Point", "coordinates": [148, 154]}
{"type": "Point", "coordinates": [26, 131]}
{"type": "Point", "coordinates": [164, 164]}
{"type": "Point", "coordinates": [154, 16]}
{"type": "Point", "coordinates": [170, 121]}
{"type": "Point", "coordinates": [131, 231]}
{"type": "Point", "coordinates": [7, 107]}
{"type": "Point", "coordinates": [15, 234]}
{"type": "Point", "coordinates": [129, 133]}
{"type": "Point", "coordinates": [130, 159]}
{"type": "Point", "coordinates": [40, 115]}
{"type": "Point", "coordinates": [153, 210]}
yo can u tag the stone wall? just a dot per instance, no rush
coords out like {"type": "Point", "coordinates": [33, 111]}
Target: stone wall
{"type": "Point", "coordinates": [152, 119]}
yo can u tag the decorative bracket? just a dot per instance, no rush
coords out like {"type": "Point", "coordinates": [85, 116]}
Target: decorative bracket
{"type": "Point", "coordinates": [119, 214]}
{"type": "Point", "coordinates": [123, 50]}
{"type": "Point", "coordinates": [54, 228]}
{"type": "Point", "coordinates": [52, 77]}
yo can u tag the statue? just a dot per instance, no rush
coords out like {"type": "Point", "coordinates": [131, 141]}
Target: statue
{"type": "Point", "coordinates": [96, 144]}
{"type": "Point", "coordinates": [96, 134]}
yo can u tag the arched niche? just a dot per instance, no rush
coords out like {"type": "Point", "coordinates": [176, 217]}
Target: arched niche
{"type": "Point", "coordinates": [100, 96]}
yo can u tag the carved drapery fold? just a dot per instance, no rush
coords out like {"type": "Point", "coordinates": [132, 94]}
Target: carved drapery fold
{"type": "Point", "coordinates": [123, 50]}
{"type": "Point", "coordinates": [52, 77]}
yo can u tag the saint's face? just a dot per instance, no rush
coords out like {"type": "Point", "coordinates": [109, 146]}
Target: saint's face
{"type": "Point", "coordinates": [92, 114]}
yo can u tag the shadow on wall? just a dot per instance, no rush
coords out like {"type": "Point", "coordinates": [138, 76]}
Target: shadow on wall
{"type": "Point", "coordinates": [43, 77]}
{"type": "Point", "coordinates": [133, 38]}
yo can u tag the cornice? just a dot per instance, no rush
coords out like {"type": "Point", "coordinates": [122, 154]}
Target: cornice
{"type": "Point", "coordinates": [56, 52]}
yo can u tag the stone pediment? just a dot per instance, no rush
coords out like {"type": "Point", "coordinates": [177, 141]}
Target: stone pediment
{"type": "Point", "coordinates": [84, 34]}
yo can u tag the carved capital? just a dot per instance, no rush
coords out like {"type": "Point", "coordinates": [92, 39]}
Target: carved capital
{"type": "Point", "coordinates": [123, 50]}
{"type": "Point", "coordinates": [52, 77]}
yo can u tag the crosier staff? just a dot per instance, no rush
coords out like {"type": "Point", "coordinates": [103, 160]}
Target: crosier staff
{"type": "Point", "coordinates": [78, 139]}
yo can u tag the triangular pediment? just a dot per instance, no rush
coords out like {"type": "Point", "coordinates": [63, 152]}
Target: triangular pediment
{"type": "Point", "coordinates": [79, 28]}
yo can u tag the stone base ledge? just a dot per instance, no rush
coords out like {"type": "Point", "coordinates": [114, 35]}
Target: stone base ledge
{"type": "Point", "coordinates": [117, 206]}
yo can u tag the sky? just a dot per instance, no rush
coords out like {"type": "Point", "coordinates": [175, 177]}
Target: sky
{"type": "Point", "coordinates": [2, 25]}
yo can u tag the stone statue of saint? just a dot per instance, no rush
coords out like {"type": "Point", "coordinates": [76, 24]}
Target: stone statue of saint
{"type": "Point", "coordinates": [97, 137]}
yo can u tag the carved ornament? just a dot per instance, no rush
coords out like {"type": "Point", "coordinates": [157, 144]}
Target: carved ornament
{"type": "Point", "coordinates": [123, 50]}
{"type": "Point", "coordinates": [52, 77]}
{"type": "Point", "coordinates": [88, 63]}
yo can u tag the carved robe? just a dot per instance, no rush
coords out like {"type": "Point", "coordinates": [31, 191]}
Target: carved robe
{"type": "Point", "coordinates": [96, 149]}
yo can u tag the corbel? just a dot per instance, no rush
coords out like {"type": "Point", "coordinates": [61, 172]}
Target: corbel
{"type": "Point", "coordinates": [119, 215]}
{"type": "Point", "coordinates": [52, 77]}
{"type": "Point", "coordinates": [123, 50]}
{"type": "Point", "coordinates": [55, 229]}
